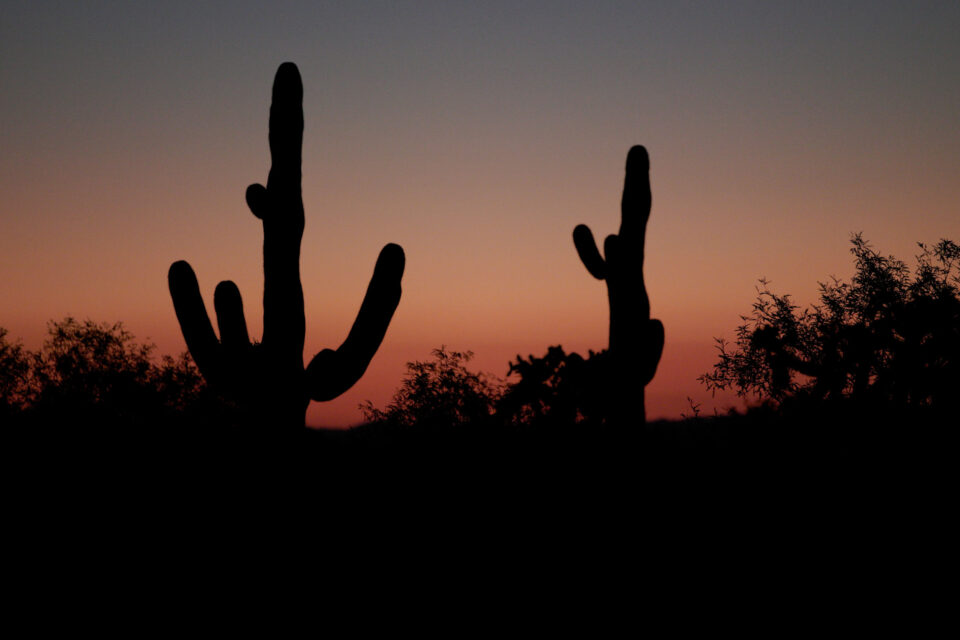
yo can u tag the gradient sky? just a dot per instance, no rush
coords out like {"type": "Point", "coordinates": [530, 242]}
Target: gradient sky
{"type": "Point", "coordinates": [476, 135]}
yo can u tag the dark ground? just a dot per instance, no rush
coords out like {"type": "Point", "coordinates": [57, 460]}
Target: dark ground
{"type": "Point", "coordinates": [772, 522]}
{"type": "Point", "coordinates": [879, 453]}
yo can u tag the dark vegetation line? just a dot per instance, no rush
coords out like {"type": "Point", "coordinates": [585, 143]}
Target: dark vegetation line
{"type": "Point", "coordinates": [890, 337]}
{"type": "Point", "coordinates": [881, 349]}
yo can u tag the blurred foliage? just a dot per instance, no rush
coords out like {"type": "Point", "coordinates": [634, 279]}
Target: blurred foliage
{"type": "Point", "coordinates": [890, 336]}
{"type": "Point", "coordinates": [558, 388]}
{"type": "Point", "coordinates": [88, 371]}
{"type": "Point", "coordinates": [14, 375]}
{"type": "Point", "coordinates": [440, 392]}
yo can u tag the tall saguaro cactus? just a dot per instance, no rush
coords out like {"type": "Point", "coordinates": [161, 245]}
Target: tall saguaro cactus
{"type": "Point", "coordinates": [636, 341]}
{"type": "Point", "coordinates": [267, 379]}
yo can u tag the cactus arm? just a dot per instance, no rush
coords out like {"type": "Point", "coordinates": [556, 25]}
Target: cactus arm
{"type": "Point", "coordinates": [258, 201]}
{"type": "Point", "coordinates": [192, 316]}
{"type": "Point", "coordinates": [229, 309]}
{"type": "Point", "coordinates": [588, 252]}
{"type": "Point", "coordinates": [331, 373]}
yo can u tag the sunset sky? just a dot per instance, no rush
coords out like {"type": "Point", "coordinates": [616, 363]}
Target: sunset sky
{"type": "Point", "coordinates": [477, 135]}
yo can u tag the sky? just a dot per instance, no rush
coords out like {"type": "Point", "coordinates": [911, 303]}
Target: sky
{"type": "Point", "coordinates": [476, 135]}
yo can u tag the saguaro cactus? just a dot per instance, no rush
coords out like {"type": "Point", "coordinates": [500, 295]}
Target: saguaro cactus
{"type": "Point", "coordinates": [267, 379]}
{"type": "Point", "coordinates": [636, 341]}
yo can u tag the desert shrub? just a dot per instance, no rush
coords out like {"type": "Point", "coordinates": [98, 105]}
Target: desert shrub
{"type": "Point", "coordinates": [440, 392]}
{"type": "Point", "coordinates": [558, 388]}
{"type": "Point", "coordinates": [889, 337]}
{"type": "Point", "coordinates": [90, 363]}
{"type": "Point", "coordinates": [91, 372]}
{"type": "Point", "coordinates": [14, 375]}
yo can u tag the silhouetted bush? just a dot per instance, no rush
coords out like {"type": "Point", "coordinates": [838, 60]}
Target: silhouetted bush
{"type": "Point", "coordinates": [440, 393]}
{"type": "Point", "coordinates": [558, 388]}
{"type": "Point", "coordinates": [887, 338]}
{"type": "Point", "coordinates": [95, 374]}
{"type": "Point", "coordinates": [14, 375]}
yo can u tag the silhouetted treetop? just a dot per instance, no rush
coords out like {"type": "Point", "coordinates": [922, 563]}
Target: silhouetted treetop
{"type": "Point", "coordinates": [558, 388]}
{"type": "Point", "coordinates": [15, 365]}
{"type": "Point", "coordinates": [87, 371]}
{"type": "Point", "coordinates": [891, 335]}
{"type": "Point", "coordinates": [441, 392]}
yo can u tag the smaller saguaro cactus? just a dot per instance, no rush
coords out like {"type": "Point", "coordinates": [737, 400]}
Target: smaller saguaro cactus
{"type": "Point", "coordinates": [267, 380]}
{"type": "Point", "coordinates": [636, 341]}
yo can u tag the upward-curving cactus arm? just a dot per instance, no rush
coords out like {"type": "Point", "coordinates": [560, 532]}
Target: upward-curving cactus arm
{"type": "Point", "coordinates": [330, 373]}
{"type": "Point", "coordinates": [636, 341]}
{"type": "Point", "coordinates": [268, 378]}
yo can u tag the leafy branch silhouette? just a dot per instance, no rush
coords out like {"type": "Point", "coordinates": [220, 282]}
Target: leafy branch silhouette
{"type": "Point", "coordinates": [268, 378]}
{"type": "Point", "coordinates": [887, 338]}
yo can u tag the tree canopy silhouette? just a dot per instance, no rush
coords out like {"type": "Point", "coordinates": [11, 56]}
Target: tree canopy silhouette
{"type": "Point", "coordinates": [557, 389]}
{"type": "Point", "coordinates": [441, 392]}
{"type": "Point", "coordinates": [96, 374]}
{"type": "Point", "coordinates": [15, 365]}
{"type": "Point", "coordinates": [890, 336]}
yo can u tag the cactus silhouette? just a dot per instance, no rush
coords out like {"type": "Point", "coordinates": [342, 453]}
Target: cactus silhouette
{"type": "Point", "coordinates": [267, 380]}
{"type": "Point", "coordinates": [636, 341]}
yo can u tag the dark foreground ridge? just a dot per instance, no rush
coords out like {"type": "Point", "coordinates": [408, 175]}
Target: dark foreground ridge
{"type": "Point", "coordinates": [757, 451]}
{"type": "Point", "coordinates": [799, 498]}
